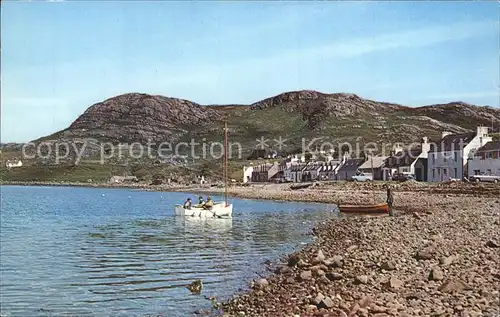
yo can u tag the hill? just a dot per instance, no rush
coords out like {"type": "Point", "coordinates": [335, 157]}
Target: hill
{"type": "Point", "coordinates": [338, 117]}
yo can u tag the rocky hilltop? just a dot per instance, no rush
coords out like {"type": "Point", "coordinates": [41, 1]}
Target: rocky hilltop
{"type": "Point", "coordinates": [136, 117]}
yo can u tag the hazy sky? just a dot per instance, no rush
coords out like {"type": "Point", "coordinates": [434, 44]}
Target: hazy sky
{"type": "Point", "coordinates": [58, 58]}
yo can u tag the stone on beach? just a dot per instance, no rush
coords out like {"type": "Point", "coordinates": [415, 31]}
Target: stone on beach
{"type": "Point", "coordinates": [447, 260]}
{"type": "Point", "coordinates": [361, 279]}
{"type": "Point", "coordinates": [306, 275]}
{"type": "Point", "coordinates": [453, 285]}
{"type": "Point", "coordinates": [320, 257]}
{"type": "Point", "coordinates": [326, 302]}
{"type": "Point", "coordinates": [389, 266]}
{"type": "Point", "coordinates": [436, 274]}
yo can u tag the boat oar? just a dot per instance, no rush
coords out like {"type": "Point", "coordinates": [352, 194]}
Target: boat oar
{"type": "Point", "coordinates": [215, 215]}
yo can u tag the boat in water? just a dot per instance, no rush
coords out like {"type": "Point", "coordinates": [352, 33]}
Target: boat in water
{"type": "Point", "coordinates": [219, 209]}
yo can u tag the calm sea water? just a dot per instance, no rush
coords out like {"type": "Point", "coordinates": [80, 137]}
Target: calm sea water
{"type": "Point", "coordinates": [108, 252]}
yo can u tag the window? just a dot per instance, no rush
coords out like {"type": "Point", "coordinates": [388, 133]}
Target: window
{"type": "Point", "coordinates": [433, 172]}
{"type": "Point", "coordinates": [439, 171]}
{"type": "Point", "coordinates": [477, 172]}
{"type": "Point", "coordinates": [433, 158]}
{"type": "Point", "coordinates": [456, 172]}
{"type": "Point", "coordinates": [488, 171]}
{"type": "Point", "coordinates": [445, 155]}
{"type": "Point", "coordinates": [489, 155]}
{"type": "Point", "coordinates": [456, 157]}
{"type": "Point", "coordinates": [445, 171]}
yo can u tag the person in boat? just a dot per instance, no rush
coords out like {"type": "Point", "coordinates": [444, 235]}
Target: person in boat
{"type": "Point", "coordinates": [201, 201]}
{"type": "Point", "coordinates": [390, 198]}
{"type": "Point", "coordinates": [187, 204]}
{"type": "Point", "coordinates": [209, 204]}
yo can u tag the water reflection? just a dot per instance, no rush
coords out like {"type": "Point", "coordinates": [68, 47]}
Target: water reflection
{"type": "Point", "coordinates": [133, 262]}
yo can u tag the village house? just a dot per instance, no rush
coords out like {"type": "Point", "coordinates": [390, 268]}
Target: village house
{"type": "Point", "coordinates": [311, 171]}
{"type": "Point", "coordinates": [123, 179]}
{"type": "Point", "coordinates": [449, 157]}
{"type": "Point", "coordinates": [374, 164]}
{"type": "Point", "coordinates": [293, 172]}
{"type": "Point", "coordinates": [247, 174]}
{"type": "Point", "coordinates": [13, 163]}
{"type": "Point", "coordinates": [348, 169]}
{"type": "Point", "coordinates": [296, 158]}
{"type": "Point", "coordinates": [412, 161]}
{"type": "Point", "coordinates": [268, 172]}
{"type": "Point", "coordinates": [486, 160]}
{"type": "Point", "coordinates": [328, 171]}
{"type": "Point", "coordinates": [261, 173]}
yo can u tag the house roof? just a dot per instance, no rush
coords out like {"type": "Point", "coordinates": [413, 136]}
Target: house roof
{"type": "Point", "coordinates": [453, 142]}
{"type": "Point", "coordinates": [351, 165]}
{"type": "Point", "coordinates": [403, 158]}
{"type": "Point", "coordinates": [378, 162]}
{"type": "Point", "coordinates": [312, 166]}
{"type": "Point", "coordinates": [297, 167]}
{"type": "Point", "coordinates": [490, 146]}
{"type": "Point", "coordinates": [263, 167]}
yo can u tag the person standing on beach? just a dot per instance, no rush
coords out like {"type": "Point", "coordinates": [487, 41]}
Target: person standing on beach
{"type": "Point", "coordinates": [390, 199]}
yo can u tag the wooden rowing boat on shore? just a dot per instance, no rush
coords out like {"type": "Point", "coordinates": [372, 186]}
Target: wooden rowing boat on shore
{"type": "Point", "coordinates": [380, 208]}
{"type": "Point", "coordinates": [365, 209]}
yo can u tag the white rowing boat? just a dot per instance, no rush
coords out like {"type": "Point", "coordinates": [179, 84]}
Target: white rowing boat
{"type": "Point", "coordinates": [219, 210]}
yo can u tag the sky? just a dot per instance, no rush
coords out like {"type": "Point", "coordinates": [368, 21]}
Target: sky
{"type": "Point", "coordinates": [60, 57]}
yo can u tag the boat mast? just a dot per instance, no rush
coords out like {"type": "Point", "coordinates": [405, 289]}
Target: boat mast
{"type": "Point", "coordinates": [373, 176]}
{"type": "Point", "coordinates": [225, 159]}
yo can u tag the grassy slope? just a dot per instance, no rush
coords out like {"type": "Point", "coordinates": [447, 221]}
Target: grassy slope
{"type": "Point", "coordinates": [247, 126]}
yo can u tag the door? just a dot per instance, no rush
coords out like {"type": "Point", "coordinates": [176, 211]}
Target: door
{"type": "Point", "coordinates": [418, 174]}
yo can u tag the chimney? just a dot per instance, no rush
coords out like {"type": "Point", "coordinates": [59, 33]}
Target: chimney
{"type": "Point", "coordinates": [425, 146]}
{"type": "Point", "coordinates": [445, 133]}
{"type": "Point", "coordinates": [482, 131]}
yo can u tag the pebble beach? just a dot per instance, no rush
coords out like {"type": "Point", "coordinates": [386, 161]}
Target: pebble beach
{"type": "Point", "coordinates": [438, 256]}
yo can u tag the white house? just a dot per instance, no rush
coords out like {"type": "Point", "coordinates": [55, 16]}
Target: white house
{"type": "Point", "coordinates": [247, 174]}
{"type": "Point", "coordinates": [123, 179]}
{"type": "Point", "coordinates": [448, 158]}
{"type": "Point", "coordinates": [14, 163]}
{"type": "Point", "coordinates": [296, 159]}
{"type": "Point", "coordinates": [486, 160]}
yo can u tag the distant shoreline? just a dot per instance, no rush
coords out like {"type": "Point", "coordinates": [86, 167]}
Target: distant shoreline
{"type": "Point", "coordinates": [322, 192]}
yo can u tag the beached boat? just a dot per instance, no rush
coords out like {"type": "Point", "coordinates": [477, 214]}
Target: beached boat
{"type": "Point", "coordinates": [365, 209]}
{"type": "Point", "coordinates": [380, 208]}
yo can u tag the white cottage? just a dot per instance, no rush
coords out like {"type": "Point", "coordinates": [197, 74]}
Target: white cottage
{"type": "Point", "coordinates": [14, 163]}
{"type": "Point", "coordinates": [247, 174]}
{"type": "Point", "coordinates": [449, 157]}
{"type": "Point", "coordinates": [486, 160]}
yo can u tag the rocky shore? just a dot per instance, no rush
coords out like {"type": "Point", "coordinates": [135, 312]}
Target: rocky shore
{"type": "Point", "coordinates": [438, 256]}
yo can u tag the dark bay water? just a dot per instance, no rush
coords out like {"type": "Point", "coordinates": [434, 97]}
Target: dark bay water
{"type": "Point", "coordinates": [107, 252]}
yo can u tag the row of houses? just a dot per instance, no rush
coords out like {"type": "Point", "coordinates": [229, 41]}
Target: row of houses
{"type": "Point", "coordinates": [454, 156]}
{"type": "Point", "coordinates": [298, 171]}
